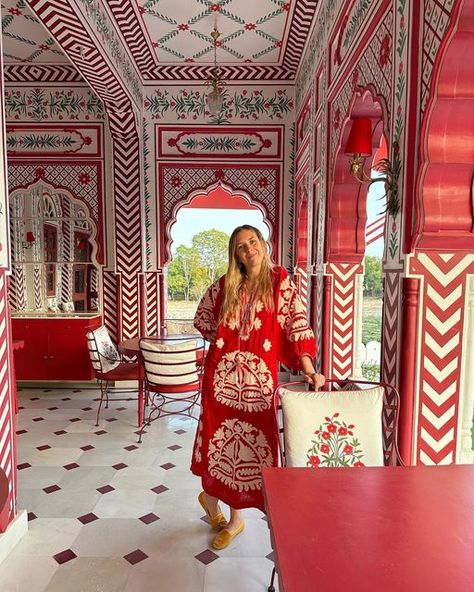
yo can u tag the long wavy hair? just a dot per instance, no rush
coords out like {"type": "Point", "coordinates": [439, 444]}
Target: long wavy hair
{"type": "Point", "coordinates": [236, 275]}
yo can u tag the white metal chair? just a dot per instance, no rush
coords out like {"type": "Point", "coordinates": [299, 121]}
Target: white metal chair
{"type": "Point", "coordinates": [172, 372]}
{"type": "Point", "coordinates": [349, 424]}
{"type": "Point", "coordinates": [110, 367]}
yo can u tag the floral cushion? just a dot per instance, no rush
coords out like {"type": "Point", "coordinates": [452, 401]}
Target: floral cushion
{"type": "Point", "coordinates": [170, 363]}
{"type": "Point", "coordinates": [333, 429]}
{"type": "Point", "coordinates": [102, 351]}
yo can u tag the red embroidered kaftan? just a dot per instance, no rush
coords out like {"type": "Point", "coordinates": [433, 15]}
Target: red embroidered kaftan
{"type": "Point", "coordinates": [237, 432]}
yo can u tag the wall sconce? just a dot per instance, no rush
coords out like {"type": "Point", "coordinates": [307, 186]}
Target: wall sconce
{"type": "Point", "coordinates": [359, 146]}
{"type": "Point", "coordinates": [30, 240]}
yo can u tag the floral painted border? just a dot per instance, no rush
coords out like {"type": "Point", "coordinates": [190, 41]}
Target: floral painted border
{"type": "Point", "coordinates": [188, 104]}
{"type": "Point", "coordinates": [38, 104]}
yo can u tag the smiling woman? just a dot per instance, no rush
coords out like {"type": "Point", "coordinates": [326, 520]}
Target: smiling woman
{"type": "Point", "coordinates": [253, 318]}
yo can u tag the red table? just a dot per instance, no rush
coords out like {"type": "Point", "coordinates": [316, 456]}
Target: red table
{"type": "Point", "coordinates": [403, 529]}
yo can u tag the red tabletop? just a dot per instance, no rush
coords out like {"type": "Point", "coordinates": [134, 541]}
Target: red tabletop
{"type": "Point", "coordinates": [375, 528]}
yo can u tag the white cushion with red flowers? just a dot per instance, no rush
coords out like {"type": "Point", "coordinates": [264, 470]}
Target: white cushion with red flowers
{"type": "Point", "coordinates": [333, 429]}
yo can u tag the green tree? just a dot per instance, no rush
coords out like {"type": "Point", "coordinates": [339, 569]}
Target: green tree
{"type": "Point", "coordinates": [373, 276]}
{"type": "Point", "coordinates": [212, 248]}
{"type": "Point", "coordinates": [175, 280]}
{"type": "Point", "coordinates": [186, 261]}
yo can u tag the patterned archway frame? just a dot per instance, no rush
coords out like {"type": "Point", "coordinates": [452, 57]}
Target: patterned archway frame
{"type": "Point", "coordinates": [245, 181]}
{"type": "Point", "coordinates": [364, 102]}
{"type": "Point", "coordinates": [52, 189]}
{"type": "Point", "coordinates": [187, 199]}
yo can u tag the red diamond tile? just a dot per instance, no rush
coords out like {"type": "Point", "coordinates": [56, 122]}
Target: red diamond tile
{"type": "Point", "coordinates": [149, 518]}
{"type": "Point", "coordinates": [87, 447]}
{"type": "Point", "coordinates": [38, 418]}
{"type": "Point", "coordinates": [66, 399]}
{"type": "Point", "coordinates": [75, 419]}
{"type": "Point", "coordinates": [19, 432]}
{"type": "Point", "coordinates": [51, 488]}
{"type": "Point", "coordinates": [159, 489]}
{"type": "Point", "coordinates": [180, 431]}
{"type": "Point", "coordinates": [119, 466]}
{"type": "Point", "coordinates": [23, 466]}
{"type": "Point", "coordinates": [64, 556]}
{"type": "Point", "coordinates": [71, 466]}
{"type": "Point", "coordinates": [100, 432]}
{"type": "Point", "coordinates": [44, 447]}
{"type": "Point", "coordinates": [46, 390]}
{"type": "Point", "coordinates": [271, 556]}
{"type": "Point", "coordinates": [105, 489]}
{"type": "Point", "coordinates": [52, 408]}
{"type": "Point", "coordinates": [77, 391]}
{"type": "Point", "coordinates": [34, 399]}
{"type": "Point", "coordinates": [131, 447]}
{"type": "Point", "coordinates": [174, 447]}
{"type": "Point", "coordinates": [87, 409]}
{"type": "Point", "coordinates": [168, 466]}
{"type": "Point", "coordinates": [207, 556]}
{"type": "Point", "coordinates": [31, 516]}
{"type": "Point", "coordinates": [88, 518]}
{"type": "Point", "coordinates": [121, 408]}
{"type": "Point", "coordinates": [21, 407]}
{"type": "Point", "coordinates": [135, 556]}
{"type": "Point", "coordinates": [110, 419]}
{"type": "Point", "coordinates": [60, 433]}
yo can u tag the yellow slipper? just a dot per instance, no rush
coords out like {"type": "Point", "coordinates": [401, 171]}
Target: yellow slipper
{"type": "Point", "coordinates": [218, 521]}
{"type": "Point", "coordinates": [224, 538]}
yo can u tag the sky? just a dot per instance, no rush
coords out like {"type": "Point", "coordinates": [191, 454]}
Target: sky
{"type": "Point", "coordinates": [191, 221]}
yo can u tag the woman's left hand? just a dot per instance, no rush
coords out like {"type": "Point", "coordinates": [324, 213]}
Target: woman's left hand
{"type": "Point", "coordinates": [315, 379]}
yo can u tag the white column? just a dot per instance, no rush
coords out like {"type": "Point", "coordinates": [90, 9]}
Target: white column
{"type": "Point", "coordinates": [359, 351]}
{"type": "Point", "coordinates": [464, 452]}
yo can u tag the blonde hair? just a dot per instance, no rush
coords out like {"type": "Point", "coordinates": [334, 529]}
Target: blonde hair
{"type": "Point", "coordinates": [236, 275]}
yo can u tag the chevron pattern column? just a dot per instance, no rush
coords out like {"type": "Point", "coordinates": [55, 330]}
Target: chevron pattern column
{"type": "Point", "coordinates": [7, 412]}
{"type": "Point", "coordinates": [441, 353]}
{"type": "Point", "coordinates": [128, 252]}
{"type": "Point", "coordinates": [391, 329]}
{"type": "Point", "coordinates": [109, 288]}
{"type": "Point", "coordinates": [342, 331]}
{"type": "Point", "coordinates": [152, 303]}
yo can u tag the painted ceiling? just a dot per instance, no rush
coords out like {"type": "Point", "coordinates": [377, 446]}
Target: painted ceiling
{"type": "Point", "coordinates": [171, 39]}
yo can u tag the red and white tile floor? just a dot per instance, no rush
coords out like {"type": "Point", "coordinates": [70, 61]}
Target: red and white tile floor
{"type": "Point", "coordinates": [108, 514]}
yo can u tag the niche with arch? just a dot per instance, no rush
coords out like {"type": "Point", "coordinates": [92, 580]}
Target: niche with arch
{"type": "Point", "coordinates": [54, 254]}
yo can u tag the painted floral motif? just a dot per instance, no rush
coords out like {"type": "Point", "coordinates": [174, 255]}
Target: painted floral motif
{"type": "Point", "coordinates": [243, 381]}
{"type": "Point", "coordinates": [237, 453]}
{"type": "Point", "coordinates": [335, 445]}
{"type": "Point", "coordinates": [198, 446]}
{"type": "Point", "coordinates": [291, 314]}
{"type": "Point", "coordinates": [206, 322]}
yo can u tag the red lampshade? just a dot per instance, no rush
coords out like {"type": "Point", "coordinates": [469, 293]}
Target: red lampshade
{"type": "Point", "coordinates": [30, 237]}
{"type": "Point", "coordinates": [360, 137]}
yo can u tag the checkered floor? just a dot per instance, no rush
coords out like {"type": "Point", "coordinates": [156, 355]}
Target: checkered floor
{"type": "Point", "coordinates": [108, 514]}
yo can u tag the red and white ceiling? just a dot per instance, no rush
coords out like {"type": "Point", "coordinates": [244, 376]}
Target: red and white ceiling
{"type": "Point", "coordinates": [170, 39]}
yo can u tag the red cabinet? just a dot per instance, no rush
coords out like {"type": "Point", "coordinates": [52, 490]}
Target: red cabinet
{"type": "Point", "coordinates": [55, 348]}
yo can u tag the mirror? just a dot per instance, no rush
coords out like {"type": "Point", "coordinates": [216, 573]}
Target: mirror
{"type": "Point", "coordinates": [53, 244]}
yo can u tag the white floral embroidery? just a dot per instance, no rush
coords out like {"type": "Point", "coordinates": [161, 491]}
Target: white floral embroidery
{"type": "Point", "coordinates": [257, 324]}
{"type": "Point", "coordinates": [242, 380]}
{"type": "Point", "coordinates": [259, 306]}
{"type": "Point", "coordinates": [198, 443]}
{"type": "Point", "coordinates": [220, 343]}
{"type": "Point", "coordinates": [237, 452]}
{"type": "Point", "coordinates": [267, 345]}
{"type": "Point", "coordinates": [291, 314]}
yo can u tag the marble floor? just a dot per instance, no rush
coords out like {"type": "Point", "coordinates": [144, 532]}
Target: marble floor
{"type": "Point", "coordinates": [108, 514]}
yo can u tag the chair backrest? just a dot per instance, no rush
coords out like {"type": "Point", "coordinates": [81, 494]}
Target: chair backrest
{"type": "Point", "coordinates": [103, 353]}
{"type": "Point", "coordinates": [171, 361]}
{"type": "Point", "coordinates": [351, 423]}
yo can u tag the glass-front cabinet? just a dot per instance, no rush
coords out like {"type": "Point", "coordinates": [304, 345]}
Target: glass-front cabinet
{"type": "Point", "coordinates": [54, 288]}
{"type": "Point", "coordinates": [54, 268]}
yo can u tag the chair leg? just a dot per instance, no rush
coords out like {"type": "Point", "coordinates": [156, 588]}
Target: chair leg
{"type": "Point", "coordinates": [141, 403]}
{"type": "Point", "coordinates": [271, 587]}
{"type": "Point", "coordinates": [103, 391]}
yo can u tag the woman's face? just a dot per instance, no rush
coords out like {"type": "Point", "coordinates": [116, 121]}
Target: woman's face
{"type": "Point", "coordinates": [249, 250]}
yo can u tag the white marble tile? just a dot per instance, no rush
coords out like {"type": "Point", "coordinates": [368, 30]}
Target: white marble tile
{"type": "Point", "coordinates": [15, 578]}
{"type": "Point", "coordinates": [127, 503]}
{"type": "Point", "coordinates": [180, 575]}
{"type": "Point", "coordinates": [91, 574]}
{"type": "Point", "coordinates": [238, 575]}
{"type": "Point", "coordinates": [46, 537]}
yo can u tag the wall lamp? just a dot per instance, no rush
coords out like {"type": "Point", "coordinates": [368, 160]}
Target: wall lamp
{"type": "Point", "coordinates": [359, 147]}
{"type": "Point", "coordinates": [30, 240]}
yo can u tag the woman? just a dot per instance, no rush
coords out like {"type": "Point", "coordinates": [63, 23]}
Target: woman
{"type": "Point", "coordinates": [253, 318]}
